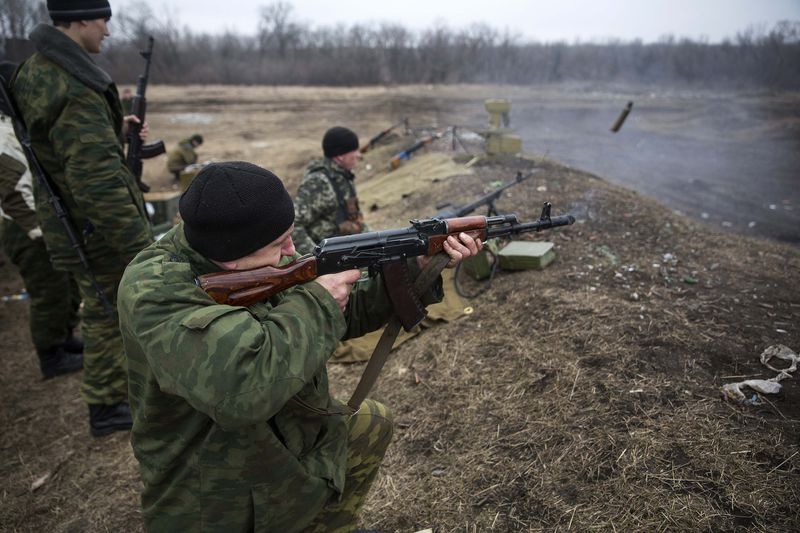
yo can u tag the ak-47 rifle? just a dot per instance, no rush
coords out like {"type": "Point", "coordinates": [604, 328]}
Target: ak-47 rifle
{"type": "Point", "coordinates": [405, 155]}
{"type": "Point", "coordinates": [9, 108]}
{"type": "Point", "coordinates": [137, 150]}
{"type": "Point", "coordinates": [375, 140]}
{"type": "Point", "coordinates": [448, 210]}
{"type": "Point", "coordinates": [377, 251]}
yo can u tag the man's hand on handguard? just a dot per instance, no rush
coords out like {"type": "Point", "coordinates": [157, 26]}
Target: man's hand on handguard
{"type": "Point", "coordinates": [458, 250]}
{"type": "Point", "coordinates": [339, 285]}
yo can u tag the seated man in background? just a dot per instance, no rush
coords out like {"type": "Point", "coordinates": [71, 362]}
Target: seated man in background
{"type": "Point", "coordinates": [234, 428]}
{"type": "Point", "coordinates": [183, 155]}
{"type": "Point", "coordinates": [327, 204]}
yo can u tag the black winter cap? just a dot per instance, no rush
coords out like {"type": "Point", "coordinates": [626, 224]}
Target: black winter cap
{"type": "Point", "coordinates": [339, 141]}
{"type": "Point", "coordinates": [232, 209]}
{"type": "Point", "coordinates": [70, 10]}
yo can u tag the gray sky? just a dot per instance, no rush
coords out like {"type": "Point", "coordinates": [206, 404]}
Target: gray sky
{"type": "Point", "coordinates": [541, 20]}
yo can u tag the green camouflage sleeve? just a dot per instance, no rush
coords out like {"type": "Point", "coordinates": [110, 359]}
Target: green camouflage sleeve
{"type": "Point", "coordinates": [315, 212]}
{"type": "Point", "coordinates": [238, 365]}
{"type": "Point", "coordinates": [95, 173]}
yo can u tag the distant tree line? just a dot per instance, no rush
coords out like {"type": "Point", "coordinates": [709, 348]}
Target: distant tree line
{"type": "Point", "coordinates": [288, 51]}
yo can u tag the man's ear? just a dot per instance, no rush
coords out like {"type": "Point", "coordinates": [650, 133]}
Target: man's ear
{"type": "Point", "coordinates": [228, 265]}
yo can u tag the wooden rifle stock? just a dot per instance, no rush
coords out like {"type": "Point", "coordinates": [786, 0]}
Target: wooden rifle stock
{"type": "Point", "coordinates": [246, 287]}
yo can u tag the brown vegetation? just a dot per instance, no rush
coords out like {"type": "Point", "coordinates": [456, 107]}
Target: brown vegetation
{"type": "Point", "coordinates": [584, 396]}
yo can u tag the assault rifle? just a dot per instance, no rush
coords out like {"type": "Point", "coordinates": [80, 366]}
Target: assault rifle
{"type": "Point", "coordinates": [375, 140]}
{"type": "Point", "coordinates": [137, 150]}
{"type": "Point", "coordinates": [9, 108]}
{"type": "Point", "coordinates": [448, 210]}
{"type": "Point", "coordinates": [377, 251]}
{"type": "Point", "coordinates": [405, 155]}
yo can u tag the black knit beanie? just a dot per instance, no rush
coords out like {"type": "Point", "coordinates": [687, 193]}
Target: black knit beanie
{"type": "Point", "coordinates": [70, 10]}
{"type": "Point", "coordinates": [232, 209]}
{"type": "Point", "coordinates": [339, 141]}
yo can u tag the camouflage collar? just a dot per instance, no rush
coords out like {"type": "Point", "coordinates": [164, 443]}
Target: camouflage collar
{"type": "Point", "coordinates": [69, 55]}
{"type": "Point", "coordinates": [332, 167]}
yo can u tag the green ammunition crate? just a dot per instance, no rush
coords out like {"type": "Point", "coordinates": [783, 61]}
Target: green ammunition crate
{"type": "Point", "coordinates": [526, 255]}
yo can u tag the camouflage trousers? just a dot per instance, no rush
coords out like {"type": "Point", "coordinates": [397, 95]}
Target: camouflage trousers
{"type": "Point", "coordinates": [105, 375]}
{"type": "Point", "coordinates": [369, 433]}
{"type": "Point", "coordinates": [54, 299]}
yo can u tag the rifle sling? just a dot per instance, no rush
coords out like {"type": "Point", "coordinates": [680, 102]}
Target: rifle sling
{"type": "Point", "coordinates": [381, 352]}
{"type": "Point", "coordinates": [382, 349]}
{"type": "Point", "coordinates": [405, 300]}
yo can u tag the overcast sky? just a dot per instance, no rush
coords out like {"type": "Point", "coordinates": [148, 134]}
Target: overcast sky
{"type": "Point", "coordinates": [541, 20]}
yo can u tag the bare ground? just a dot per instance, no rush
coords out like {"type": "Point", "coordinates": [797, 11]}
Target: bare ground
{"type": "Point", "coordinates": [584, 396]}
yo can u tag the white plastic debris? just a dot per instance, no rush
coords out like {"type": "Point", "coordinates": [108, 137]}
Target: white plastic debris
{"type": "Point", "coordinates": [781, 352]}
{"type": "Point", "coordinates": [734, 392]}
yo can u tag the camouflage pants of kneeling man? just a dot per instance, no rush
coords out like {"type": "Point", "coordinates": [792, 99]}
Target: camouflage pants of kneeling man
{"type": "Point", "coordinates": [369, 433]}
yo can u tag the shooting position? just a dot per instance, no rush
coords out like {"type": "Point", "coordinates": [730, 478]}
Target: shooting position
{"type": "Point", "coordinates": [234, 427]}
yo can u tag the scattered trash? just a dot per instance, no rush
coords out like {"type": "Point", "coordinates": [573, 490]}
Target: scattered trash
{"type": "Point", "coordinates": [22, 296]}
{"type": "Point", "coordinates": [39, 482]}
{"type": "Point", "coordinates": [733, 391]}
{"type": "Point", "coordinates": [689, 280]}
{"type": "Point", "coordinates": [610, 256]}
{"type": "Point", "coordinates": [780, 351]}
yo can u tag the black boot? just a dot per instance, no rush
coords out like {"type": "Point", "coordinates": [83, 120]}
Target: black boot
{"type": "Point", "coordinates": [106, 419]}
{"type": "Point", "coordinates": [73, 344]}
{"type": "Point", "coordinates": [56, 361]}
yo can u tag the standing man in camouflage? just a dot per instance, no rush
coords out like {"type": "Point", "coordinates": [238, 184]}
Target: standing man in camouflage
{"type": "Point", "coordinates": [54, 298]}
{"type": "Point", "coordinates": [327, 203]}
{"type": "Point", "coordinates": [183, 155]}
{"type": "Point", "coordinates": [73, 114]}
{"type": "Point", "coordinates": [233, 425]}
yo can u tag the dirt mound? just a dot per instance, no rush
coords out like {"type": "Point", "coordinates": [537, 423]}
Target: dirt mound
{"type": "Point", "coordinates": [582, 396]}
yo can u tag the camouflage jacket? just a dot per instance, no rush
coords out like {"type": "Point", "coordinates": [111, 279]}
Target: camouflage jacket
{"type": "Point", "coordinates": [16, 189]}
{"type": "Point", "coordinates": [72, 112]}
{"type": "Point", "coordinates": [181, 156]}
{"type": "Point", "coordinates": [217, 442]}
{"type": "Point", "coordinates": [321, 203]}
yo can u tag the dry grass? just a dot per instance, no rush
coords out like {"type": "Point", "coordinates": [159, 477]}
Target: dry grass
{"type": "Point", "coordinates": [581, 397]}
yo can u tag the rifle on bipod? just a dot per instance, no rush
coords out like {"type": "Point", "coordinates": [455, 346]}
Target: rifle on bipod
{"type": "Point", "coordinates": [377, 251]}
{"type": "Point", "coordinates": [137, 150]}
{"type": "Point", "coordinates": [405, 155]}
{"type": "Point", "coordinates": [376, 139]}
{"type": "Point", "coordinates": [448, 210]}
{"type": "Point", "coordinates": [9, 107]}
